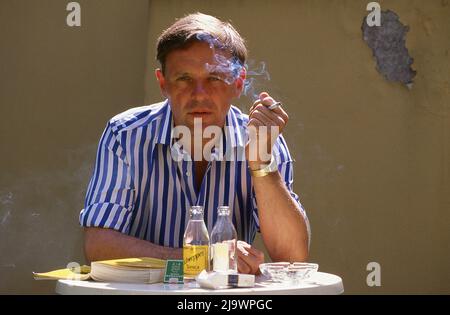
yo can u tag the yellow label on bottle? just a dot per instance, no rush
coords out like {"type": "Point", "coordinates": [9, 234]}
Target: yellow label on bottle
{"type": "Point", "coordinates": [195, 259]}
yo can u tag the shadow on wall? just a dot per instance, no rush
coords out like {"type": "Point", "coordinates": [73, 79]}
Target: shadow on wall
{"type": "Point", "coordinates": [38, 217]}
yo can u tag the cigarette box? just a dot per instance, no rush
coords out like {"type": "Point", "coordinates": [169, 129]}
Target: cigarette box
{"type": "Point", "coordinates": [222, 280]}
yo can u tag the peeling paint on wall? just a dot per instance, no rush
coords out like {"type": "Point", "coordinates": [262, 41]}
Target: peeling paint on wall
{"type": "Point", "coordinates": [387, 42]}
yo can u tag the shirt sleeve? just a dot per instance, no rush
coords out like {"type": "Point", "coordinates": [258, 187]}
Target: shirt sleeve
{"type": "Point", "coordinates": [110, 195]}
{"type": "Point", "coordinates": [285, 167]}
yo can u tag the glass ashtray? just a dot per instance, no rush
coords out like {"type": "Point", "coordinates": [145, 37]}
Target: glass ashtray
{"type": "Point", "coordinates": [287, 272]}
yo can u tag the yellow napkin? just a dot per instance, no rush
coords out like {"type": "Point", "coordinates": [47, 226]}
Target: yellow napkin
{"type": "Point", "coordinates": [64, 274]}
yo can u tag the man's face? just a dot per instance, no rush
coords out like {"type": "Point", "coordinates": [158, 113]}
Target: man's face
{"type": "Point", "coordinates": [198, 86]}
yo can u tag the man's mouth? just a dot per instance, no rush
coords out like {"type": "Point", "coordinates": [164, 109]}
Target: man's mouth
{"type": "Point", "coordinates": [200, 112]}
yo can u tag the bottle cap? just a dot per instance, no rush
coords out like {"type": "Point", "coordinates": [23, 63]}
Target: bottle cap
{"type": "Point", "coordinates": [223, 210]}
{"type": "Point", "coordinates": [196, 210]}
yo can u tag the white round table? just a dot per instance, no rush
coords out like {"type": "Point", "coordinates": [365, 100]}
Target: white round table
{"type": "Point", "coordinates": [319, 283]}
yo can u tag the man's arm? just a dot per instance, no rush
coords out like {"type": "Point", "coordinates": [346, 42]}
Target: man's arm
{"type": "Point", "coordinates": [102, 237]}
{"type": "Point", "coordinates": [104, 244]}
{"type": "Point", "coordinates": [282, 225]}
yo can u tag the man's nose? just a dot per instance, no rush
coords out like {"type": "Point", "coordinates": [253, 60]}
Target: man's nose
{"type": "Point", "coordinates": [199, 90]}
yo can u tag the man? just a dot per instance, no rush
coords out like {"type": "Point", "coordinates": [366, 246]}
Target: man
{"type": "Point", "coordinates": [139, 196]}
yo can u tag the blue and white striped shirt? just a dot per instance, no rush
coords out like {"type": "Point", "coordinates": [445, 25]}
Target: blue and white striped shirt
{"type": "Point", "coordinates": [137, 188]}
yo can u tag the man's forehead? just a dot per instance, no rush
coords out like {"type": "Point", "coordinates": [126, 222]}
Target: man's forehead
{"type": "Point", "coordinates": [197, 60]}
{"type": "Point", "coordinates": [205, 70]}
{"type": "Point", "coordinates": [189, 66]}
{"type": "Point", "coordinates": [198, 55]}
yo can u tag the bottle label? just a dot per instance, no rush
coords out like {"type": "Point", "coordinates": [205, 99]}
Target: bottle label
{"type": "Point", "coordinates": [195, 259]}
{"type": "Point", "coordinates": [221, 256]}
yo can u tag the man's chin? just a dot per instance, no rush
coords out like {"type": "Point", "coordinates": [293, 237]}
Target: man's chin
{"type": "Point", "coordinates": [202, 121]}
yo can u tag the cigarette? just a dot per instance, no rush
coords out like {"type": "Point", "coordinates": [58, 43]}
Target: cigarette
{"type": "Point", "coordinates": [275, 105]}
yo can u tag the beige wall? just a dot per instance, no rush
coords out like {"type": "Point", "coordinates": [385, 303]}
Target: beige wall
{"type": "Point", "coordinates": [372, 156]}
{"type": "Point", "coordinates": [59, 86]}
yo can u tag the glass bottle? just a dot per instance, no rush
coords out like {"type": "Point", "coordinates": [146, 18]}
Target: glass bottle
{"type": "Point", "coordinates": [223, 242]}
{"type": "Point", "coordinates": [195, 244]}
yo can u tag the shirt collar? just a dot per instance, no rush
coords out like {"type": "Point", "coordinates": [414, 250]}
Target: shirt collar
{"type": "Point", "coordinates": [165, 127]}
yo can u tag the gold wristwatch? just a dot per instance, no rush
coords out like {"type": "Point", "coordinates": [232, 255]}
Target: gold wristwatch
{"type": "Point", "coordinates": [272, 167]}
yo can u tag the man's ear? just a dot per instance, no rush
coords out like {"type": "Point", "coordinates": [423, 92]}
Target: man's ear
{"type": "Point", "coordinates": [161, 81]}
{"type": "Point", "coordinates": [240, 81]}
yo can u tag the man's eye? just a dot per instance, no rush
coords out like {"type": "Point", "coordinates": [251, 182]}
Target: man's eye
{"type": "Point", "coordinates": [183, 78]}
{"type": "Point", "coordinates": [215, 79]}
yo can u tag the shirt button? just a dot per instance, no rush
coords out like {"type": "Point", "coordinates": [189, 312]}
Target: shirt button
{"type": "Point", "coordinates": [188, 174]}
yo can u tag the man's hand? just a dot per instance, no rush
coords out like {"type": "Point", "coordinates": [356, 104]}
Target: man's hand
{"type": "Point", "coordinates": [249, 258]}
{"type": "Point", "coordinates": [259, 148]}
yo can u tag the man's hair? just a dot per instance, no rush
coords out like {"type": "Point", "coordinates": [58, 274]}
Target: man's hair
{"type": "Point", "coordinates": [200, 27]}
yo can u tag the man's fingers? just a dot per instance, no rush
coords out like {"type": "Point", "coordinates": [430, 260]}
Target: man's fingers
{"type": "Point", "coordinates": [263, 95]}
{"type": "Point", "coordinates": [243, 247]}
{"type": "Point", "coordinates": [243, 244]}
{"type": "Point", "coordinates": [271, 118]}
{"type": "Point", "coordinates": [268, 100]}
{"type": "Point", "coordinates": [255, 103]}
{"type": "Point", "coordinates": [259, 255]}
{"type": "Point", "coordinates": [263, 105]}
{"type": "Point", "coordinates": [243, 251]}
{"type": "Point", "coordinates": [249, 263]}
{"type": "Point", "coordinates": [249, 258]}
{"type": "Point", "coordinates": [266, 103]}
{"type": "Point", "coordinates": [243, 267]}
{"type": "Point", "coordinates": [279, 111]}
{"type": "Point", "coordinates": [255, 122]}
{"type": "Point", "coordinates": [264, 98]}
{"type": "Point", "coordinates": [256, 257]}
{"type": "Point", "coordinates": [265, 119]}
